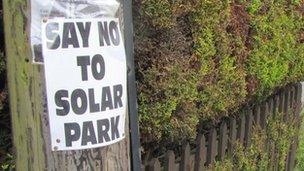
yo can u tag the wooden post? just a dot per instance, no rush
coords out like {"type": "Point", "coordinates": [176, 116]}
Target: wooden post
{"type": "Point", "coordinates": [29, 109]}
{"type": "Point", "coordinates": [200, 154]}
{"type": "Point", "coordinates": [223, 139]}
{"type": "Point", "coordinates": [212, 147]}
{"type": "Point", "coordinates": [170, 161]}
{"type": "Point", "coordinates": [185, 158]}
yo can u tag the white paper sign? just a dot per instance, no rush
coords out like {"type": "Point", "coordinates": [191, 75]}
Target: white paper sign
{"type": "Point", "coordinates": [85, 71]}
{"type": "Point", "coordinates": [46, 9]}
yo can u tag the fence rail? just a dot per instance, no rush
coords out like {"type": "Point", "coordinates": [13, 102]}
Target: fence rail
{"type": "Point", "coordinates": [219, 141]}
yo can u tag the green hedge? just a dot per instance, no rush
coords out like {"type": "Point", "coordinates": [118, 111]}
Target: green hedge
{"type": "Point", "coordinates": [199, 60]}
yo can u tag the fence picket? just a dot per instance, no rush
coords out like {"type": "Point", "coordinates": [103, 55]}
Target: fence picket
{"type": "Point", "coordinates": [192, 162]}
{"type": "Point", "coordinates": [223, 139]}
{"type": "Point", "coordinates": [170, 161]}
{"type": "Point", "coordinates": [276, 104]}
{"type": "Point", "coordinates": [241, 128]}
{"type": "Point", "coordinates": [185, 159]}
{"type": "Point", "coordinates": [300, 89]}
{"type": "Point", "coordinates": [270, 102]}
{"type": "Point", "coordinates": [283, 110]}
{"type": "Point", "coordinates": [298, 100]}
{"type": "Point", "coordinates": [286, 105]}
{"type": "Point", "coordinates": [154, 165]}
{"type": "Point", "coordinates": [296, 92]}
{"type": "Point", "coordinates": [248, 127]}
{"type": "Point", "coordinates": [257, 115]}
{"type": "Point", "coordinates": [200, 156]}
{"type": "Point", "coordinates": [292, 155]}
{"type": "Point", "coordinates": [281, 104]}
{"type": "Point", "coordinates": [264, 111]}
{"type": "Point", "coordinates": [292, 98]}
{"type": "Point", "coordinates": [269, 144]}
{"type": "Point", "coordinates": [232, 136]}
{"type": "Point", "coordinates": [211, 149]}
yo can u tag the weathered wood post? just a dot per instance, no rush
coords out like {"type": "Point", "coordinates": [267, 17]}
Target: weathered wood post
{"type": "Point", "coordinates": [29, 110]}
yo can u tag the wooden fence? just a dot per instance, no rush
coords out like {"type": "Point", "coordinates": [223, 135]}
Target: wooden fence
{"type": "Point", "coordinates": [219, 141]}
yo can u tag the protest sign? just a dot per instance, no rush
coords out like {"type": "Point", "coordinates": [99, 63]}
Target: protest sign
{"type": "Point", "coordinates": [85, 72]}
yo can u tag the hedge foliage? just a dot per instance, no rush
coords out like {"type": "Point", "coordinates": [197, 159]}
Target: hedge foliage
{"type": "Point", "coordinates": [199, 60]}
